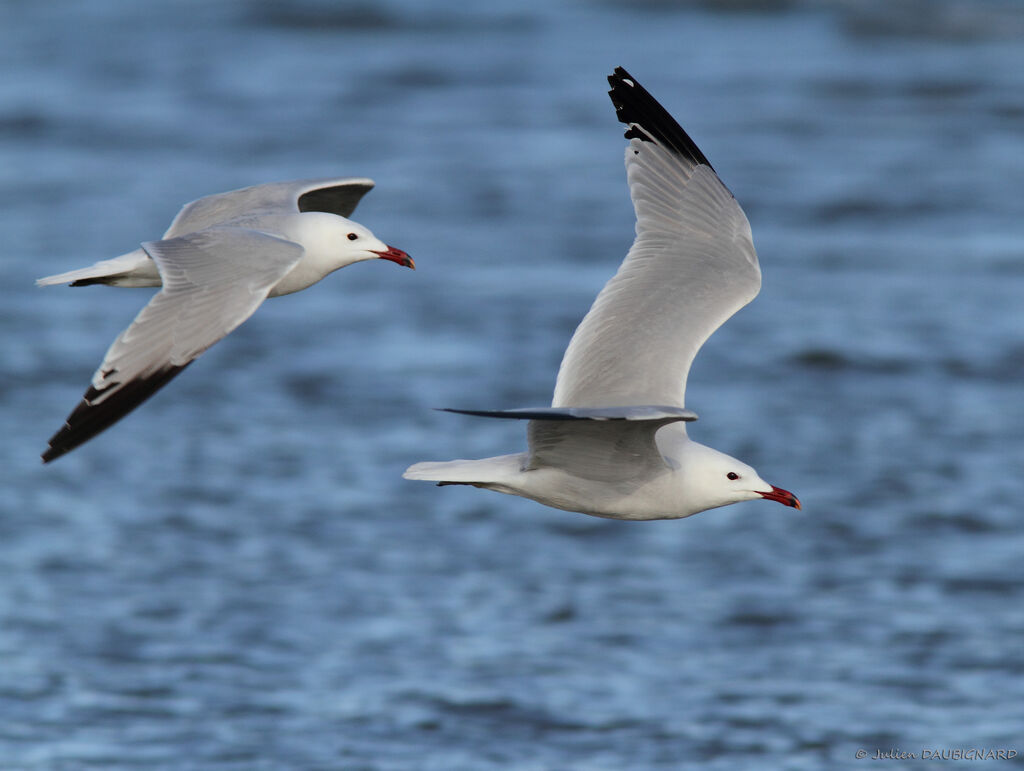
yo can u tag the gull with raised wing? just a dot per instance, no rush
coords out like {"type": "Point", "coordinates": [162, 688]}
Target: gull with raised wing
{"type": "Point", "coordinates": [222, 256]}
{"type": "Point", "coordinates": [614, 443]}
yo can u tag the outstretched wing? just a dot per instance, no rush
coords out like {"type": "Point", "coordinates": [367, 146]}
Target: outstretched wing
{"type": "Point", "coordinates": [333, 195]}
{"type": "Point", "coordinates": [213, 280]}
{"type": "Point", "coordinates": [691, 267]}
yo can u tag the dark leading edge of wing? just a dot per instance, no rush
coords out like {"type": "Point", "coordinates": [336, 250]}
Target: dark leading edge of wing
{"type": "Point", "coordinates": [88, 419]}
{"type": "Point", "coordinates": [633, 412]}
{"type": "Point", "coordinates": [633, 105]}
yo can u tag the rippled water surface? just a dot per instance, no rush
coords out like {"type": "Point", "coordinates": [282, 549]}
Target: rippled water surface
{"type": "Point", "coordinates": [237, 577]}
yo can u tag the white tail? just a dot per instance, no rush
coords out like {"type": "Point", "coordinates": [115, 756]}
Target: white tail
{"type": "Point", "coordinates": [486, 472]}
{"type": "Point", "coordinates": [133, 269]}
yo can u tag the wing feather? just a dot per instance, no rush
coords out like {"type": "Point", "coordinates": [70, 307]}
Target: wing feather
{"type": "Point", "coordinates": [691, 267]}
{"type": "Point", "coordinates": [213, 280]}
{"type": "Point", "coordinates": [633, 412]}
{"type": "Point", "coordinates": [332, 195]}
{"type": "Point", "coordinates": [619, 453]}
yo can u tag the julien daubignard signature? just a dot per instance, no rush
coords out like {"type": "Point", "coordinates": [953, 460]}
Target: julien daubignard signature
{"type": "Point", "coordinates": [949, 753]}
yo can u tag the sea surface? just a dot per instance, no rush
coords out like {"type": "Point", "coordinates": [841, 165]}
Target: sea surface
{"type": "Point", "coordinates": [237, 577]}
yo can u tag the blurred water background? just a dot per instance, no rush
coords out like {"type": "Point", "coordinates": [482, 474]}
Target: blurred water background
{"type": "Point", "coordinates": [236, 576]}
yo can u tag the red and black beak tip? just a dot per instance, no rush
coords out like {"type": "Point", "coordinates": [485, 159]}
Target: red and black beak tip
{"type": "Point", "coordinates": [397, 256]}
{"type": "Point", "coordinates": [784, 497]}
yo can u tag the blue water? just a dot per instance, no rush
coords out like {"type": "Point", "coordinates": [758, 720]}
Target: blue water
{"type": "Point", "coordinates": [237, 577]}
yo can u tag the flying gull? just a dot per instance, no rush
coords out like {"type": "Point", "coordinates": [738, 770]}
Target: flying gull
{"type": "Point", "coordinates": [222, 256]}
{"type": "Point", "coordinates": [614, 443]}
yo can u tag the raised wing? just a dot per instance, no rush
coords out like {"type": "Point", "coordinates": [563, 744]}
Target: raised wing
{"type": "Point", "coordinates": [691, 267]}
{"type": "Point", "coordinates": [212, 282]}
{"type": "Point", "coordinates": [335, 196]}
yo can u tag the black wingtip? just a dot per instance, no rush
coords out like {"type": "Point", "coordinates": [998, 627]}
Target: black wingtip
{"type": "Point", "coordinates": [90, 417]}
{"type": "Point", "coordinates": [648, 120]}
{"type": "Point", "coordinates": [334, 199]}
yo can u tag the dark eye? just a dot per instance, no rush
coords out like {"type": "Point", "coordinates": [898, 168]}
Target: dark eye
{"type": "Point", "coordinates": [352, 236]}
{"type": "Point", "coordinates": [732, 475]}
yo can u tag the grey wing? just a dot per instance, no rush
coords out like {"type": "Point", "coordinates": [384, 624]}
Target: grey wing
{"type": "Point", "coordinates": [691, 267]}
{"type": "Point", "coordinates": [212, 282]}
{"type": "Point", "coordinates": [339, 195]}
{"type": "Point", "coordinates": [621, 453]}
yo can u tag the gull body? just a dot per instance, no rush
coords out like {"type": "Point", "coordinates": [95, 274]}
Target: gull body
{"type": "Point", "coordinates": [322, 236]}
{"type": "Point", "coordinates": [220, 258]}
{"type": "Point", "coordinates": [614, 442]}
